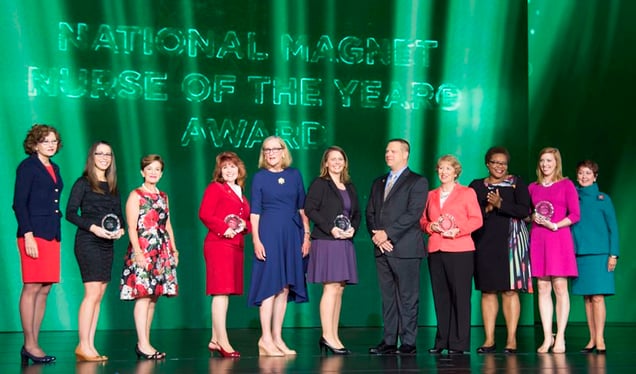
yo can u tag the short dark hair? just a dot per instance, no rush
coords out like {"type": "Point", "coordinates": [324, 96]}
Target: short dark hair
{"type": "Point", "coordinates": [588, 164]}
{"type": "Point", "coordinates": [496, 150]}
{"type": "Point", "coordinates": [404, 143]}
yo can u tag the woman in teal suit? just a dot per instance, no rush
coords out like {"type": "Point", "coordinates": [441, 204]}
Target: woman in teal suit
{"type": "Point", "coordinates": [596, 246]}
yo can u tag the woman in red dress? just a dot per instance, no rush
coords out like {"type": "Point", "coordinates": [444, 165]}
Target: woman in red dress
{"type": "Point", "coordinates": [36, 202]}
{"type": "Point", "coordinates": [225, 212]}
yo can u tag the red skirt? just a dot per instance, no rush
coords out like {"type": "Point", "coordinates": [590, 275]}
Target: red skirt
{"type": "Point", "coordinates": [46, 267]}
{"type": "Point", "coordinates": [223, 268]}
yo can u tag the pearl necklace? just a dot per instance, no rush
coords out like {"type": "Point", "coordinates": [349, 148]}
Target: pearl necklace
{"type": "Point", "coordinates": [156, 190]}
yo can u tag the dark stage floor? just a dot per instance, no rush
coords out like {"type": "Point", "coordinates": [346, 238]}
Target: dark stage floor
{"type": "Point", "coordinates": [187, 353]}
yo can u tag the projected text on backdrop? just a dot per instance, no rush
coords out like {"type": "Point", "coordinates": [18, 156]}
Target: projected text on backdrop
{"type": "Point", "coordinates": [230, 54]}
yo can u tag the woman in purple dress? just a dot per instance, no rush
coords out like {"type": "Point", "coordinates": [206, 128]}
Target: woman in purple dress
{"type": "Point", "coordinates": [332, 205]}
{"type": "Point", "coordinates": [280, 233]}
{"type": "Point", "coordinates": [556, 208]}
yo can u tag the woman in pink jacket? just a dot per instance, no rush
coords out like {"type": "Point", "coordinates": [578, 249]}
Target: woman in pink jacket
{"type": "Point", "coordinates": [452, 213]}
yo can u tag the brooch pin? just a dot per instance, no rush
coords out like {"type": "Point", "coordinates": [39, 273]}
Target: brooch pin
{"type": "Point", "coordinates": [601, 197]}
{"type": "Point", "coordinates": [281, 180]}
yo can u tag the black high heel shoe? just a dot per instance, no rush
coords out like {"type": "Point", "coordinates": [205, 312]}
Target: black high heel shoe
{"type": "Point", "coordinates": [323, 345]}
{"type": "Point", "coordinates": [155, 356]}
{"type": "Point", "coordinates": [26, 356]}
{"type": "Point", "coordinates": [588, 350]}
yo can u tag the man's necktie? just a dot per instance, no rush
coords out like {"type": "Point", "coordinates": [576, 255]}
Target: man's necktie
{"type": "Point", "coordinates": [389, 185]}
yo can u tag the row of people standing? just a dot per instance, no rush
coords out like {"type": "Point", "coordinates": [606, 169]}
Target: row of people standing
{"type": "Point", "coordinates": [95, 208]}
{"type": "Point", "coordinates": [278, 219]}
{"type": "Point", "coordinates": [481, 231]}
{"type": "Point", "coordinates": [280, 224]}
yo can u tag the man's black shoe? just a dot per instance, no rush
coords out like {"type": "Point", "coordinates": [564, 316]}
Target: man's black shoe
{"type": "Point", "coordinates": [406, 349]}
{"type": "Point", "coordinates": [455, 352]}
{"type": "Point", "coordinates": [435, 351]}
{"type": "Point", "coordinates": [383, 349]}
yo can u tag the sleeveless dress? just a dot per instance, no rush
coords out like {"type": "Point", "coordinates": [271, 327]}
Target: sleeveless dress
{"type": "Point", "coordinates": [160, 278]}
{"type": "Point", "coordinates": [277, 197]}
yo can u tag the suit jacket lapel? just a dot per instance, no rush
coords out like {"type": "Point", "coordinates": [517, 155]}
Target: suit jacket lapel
{"type": "Point", "coordinates": [231, 192]}
{"type": "Point", "coordinates": [397, 183]}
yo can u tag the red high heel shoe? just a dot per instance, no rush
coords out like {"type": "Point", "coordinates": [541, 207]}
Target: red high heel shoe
{"type": "Point", "coordinates": [215, 347]}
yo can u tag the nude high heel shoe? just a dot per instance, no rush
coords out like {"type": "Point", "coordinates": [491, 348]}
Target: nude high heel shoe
{"type": "Point", "coordinates": [263, 351]}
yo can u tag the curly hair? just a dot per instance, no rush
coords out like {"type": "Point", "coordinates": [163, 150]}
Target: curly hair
{"type": "Point", "coordinates": [36, 135]}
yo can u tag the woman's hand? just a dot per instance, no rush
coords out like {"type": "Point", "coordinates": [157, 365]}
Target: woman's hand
{"type": "Point", "coordinates": [30, 245]}
{"type": "Point", "coordinates": [118, 234]}
{"type": "Point", "coordinates": [435, 227]}
{"type": "Point", "coordinates": [349, 233]}
{"type": "Point", "coordinates": [611, 263]}
{"type": "Point", "coordinates": [140, 259]}
{"type": "Point", "coordinates": [229, 233]}
{"type": "Point", "coordinates": [259, 251]}
{"type": "Point", "coordinates": [494, 198]}
{"type": "Point", "coordinates": [306, 246]}
{"type": "Point", "coordinates": [100, 232]}
{"type": "Point", "coordinates": [451, 233]}
{"type": "Point", "coordinates": [175, 254]}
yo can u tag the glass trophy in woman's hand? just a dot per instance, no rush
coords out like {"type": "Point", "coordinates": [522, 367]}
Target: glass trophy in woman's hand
{"type": "Point", "coordinates": [545, 210]}
{"type": "Point", "coordinates": [342, 222]}
{"type": "Point", "coordinates": [111, 223]}
{"type": "Point", "coordinates": [235, 222]}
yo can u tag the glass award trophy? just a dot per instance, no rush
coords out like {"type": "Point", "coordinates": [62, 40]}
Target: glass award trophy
{"type": "Point", "coordinates": [342, 222]}
{"type": "Point", "coordinates": [544, 209]}
{"type": "Point", "coordinates": [446, 222]}
{"type": "Point", "coordinates": [235, 222]}
{"type": "Point", "coordinates": [111, 223]}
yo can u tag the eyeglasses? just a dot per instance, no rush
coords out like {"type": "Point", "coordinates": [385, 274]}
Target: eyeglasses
{"type": "Point", "coordinates": [49, 141]}
{"type": "Point", "coordinates": [272, 150]}
{"type": "Point", "coordinates": [102, 154]}
{"type": "Point", "coordinates": [498, 163]}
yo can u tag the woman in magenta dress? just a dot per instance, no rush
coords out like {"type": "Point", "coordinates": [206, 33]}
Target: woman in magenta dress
{"type": "Point", "coordinates": [556, 208]}
{"type": "Point", "coordinates": [280, 232]}
{"type": "Point", "coordinates": [150, 267]}
{"type": "Point", "coordinates": [225, 212]}
{"type": "Point", "coordinates": [36, 203]}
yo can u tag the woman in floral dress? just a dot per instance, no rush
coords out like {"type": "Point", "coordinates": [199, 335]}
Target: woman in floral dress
{"type": "Point", "coordinates": [152, 257]}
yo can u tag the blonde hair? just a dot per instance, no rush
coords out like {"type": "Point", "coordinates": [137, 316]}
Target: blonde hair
{"type": "Point", "coordinates": [558, 170]}
{"type": "Point", "coordinates": [454, 163]}
{"type": "Point", "coordinates": [286, 158]}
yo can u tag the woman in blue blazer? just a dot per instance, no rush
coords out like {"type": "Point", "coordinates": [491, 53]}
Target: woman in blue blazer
{"type": "Point", "coordinates": [36, 202]}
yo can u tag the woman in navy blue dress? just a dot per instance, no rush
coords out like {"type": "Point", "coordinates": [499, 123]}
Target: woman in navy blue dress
{"type": "Point", "coordinates": [280, 232]}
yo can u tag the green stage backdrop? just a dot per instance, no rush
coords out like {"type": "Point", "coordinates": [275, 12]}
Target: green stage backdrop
{"type": "Point", "coordinates": [189, 79]}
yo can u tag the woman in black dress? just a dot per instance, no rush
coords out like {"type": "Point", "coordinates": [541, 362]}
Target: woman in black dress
{"type": "Point", "coordinates": [98, 222]}
{"type": "Point", "coordinates": [502, 261]}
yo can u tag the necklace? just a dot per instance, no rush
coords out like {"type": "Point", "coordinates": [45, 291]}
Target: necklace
{"type": "Point", "coordinates": [446, 193]}
{"type": "Point", "coordinates": [156, 190]}
{"type": "Point", "coordinates": [547, 184]}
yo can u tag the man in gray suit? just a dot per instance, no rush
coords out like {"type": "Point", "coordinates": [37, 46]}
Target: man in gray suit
{"type": "Point", "coordinates": [395, 206]}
